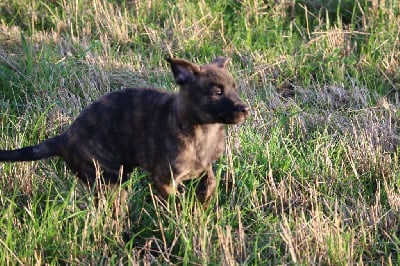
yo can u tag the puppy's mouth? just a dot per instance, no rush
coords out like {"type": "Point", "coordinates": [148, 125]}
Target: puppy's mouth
{"type": "Point", "coordinates": [238, 116]}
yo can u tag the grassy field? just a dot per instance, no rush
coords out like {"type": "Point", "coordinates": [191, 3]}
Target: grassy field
{"type": "Point", "coordinates": [313, 177]}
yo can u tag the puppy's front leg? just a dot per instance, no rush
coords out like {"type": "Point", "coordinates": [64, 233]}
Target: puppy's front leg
{"type": "Point", "coordinates": [164, 187]}
{"type": "Point", "coordinates": [206, 187]}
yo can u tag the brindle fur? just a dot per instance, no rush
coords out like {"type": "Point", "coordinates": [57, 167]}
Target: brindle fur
{"type": "Point", "coordinates": [174, 136]}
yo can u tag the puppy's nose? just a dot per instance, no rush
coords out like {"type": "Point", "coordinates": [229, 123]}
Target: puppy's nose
{"type": "Point", "coordinates": [243, 108]}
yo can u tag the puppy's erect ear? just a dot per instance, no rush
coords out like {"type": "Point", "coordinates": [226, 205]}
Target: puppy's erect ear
{"type": "Point", "coordinates": [183, 70]}
{"type": "Point", "coordinates": [221, 61]}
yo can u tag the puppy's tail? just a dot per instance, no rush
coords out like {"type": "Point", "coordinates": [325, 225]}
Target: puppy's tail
{"type": "Point", "coordinates": [46, 149]}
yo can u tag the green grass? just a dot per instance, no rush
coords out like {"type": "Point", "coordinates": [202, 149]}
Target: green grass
{"type": "Point", "coordinates": [312, 177]}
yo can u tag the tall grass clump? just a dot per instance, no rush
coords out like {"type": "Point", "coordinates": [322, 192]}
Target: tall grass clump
{"type": "Point", "coordinates": [312, 177]}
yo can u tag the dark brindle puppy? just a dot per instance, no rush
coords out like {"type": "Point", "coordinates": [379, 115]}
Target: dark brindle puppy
{"type": "Point", "coordinates": [174, 136]}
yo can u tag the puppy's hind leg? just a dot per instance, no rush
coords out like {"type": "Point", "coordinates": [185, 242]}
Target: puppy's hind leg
{"type": "Point", "coordinates": [120, 196]}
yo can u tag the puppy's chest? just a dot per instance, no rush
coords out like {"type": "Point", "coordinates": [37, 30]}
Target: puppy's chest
{"type": "Point", "coordinates": [200, 150]}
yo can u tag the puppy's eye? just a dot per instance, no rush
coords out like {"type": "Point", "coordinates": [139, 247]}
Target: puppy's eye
{"type": "Point", "coordinates": [217, 91]}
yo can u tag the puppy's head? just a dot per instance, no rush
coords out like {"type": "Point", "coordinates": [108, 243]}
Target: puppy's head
{"type": "Point", "coordinates": [208, 91]}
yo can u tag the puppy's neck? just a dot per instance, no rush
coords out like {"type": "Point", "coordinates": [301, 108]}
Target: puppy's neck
{"type": "Point", "coordinates": [185, 118]}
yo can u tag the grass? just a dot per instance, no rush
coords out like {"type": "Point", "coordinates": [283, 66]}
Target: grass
{"type": "Point", "coordinates": [312, 177]}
